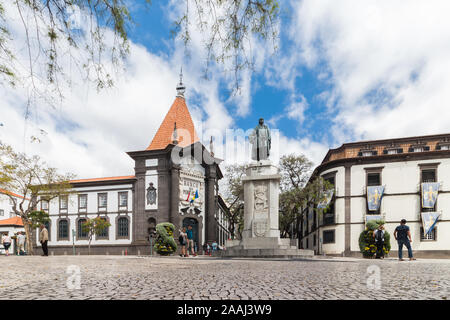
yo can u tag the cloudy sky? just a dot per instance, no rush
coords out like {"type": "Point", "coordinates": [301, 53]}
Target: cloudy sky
{"type": "Point", "coordinates": [343, 72]}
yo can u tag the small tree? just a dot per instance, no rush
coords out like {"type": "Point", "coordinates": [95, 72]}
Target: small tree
{"type": "Point", "coordinates": [95, 227]}
{"type": "Point", "coordinates": [34, 180]}
{"type": "Point", "coordinates": [37, 218]}
{"type": "Point", "coordinates": [234, 196]}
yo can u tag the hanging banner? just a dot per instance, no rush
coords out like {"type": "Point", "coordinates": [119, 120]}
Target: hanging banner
{"type": "Point", "coordinates": [374, 195]}
{"type": "Point", "coordinates": [429, 220]}
{"type": "Point", "coordinates": [429, 194]}
{"type": "Point", "coordinates": [328, 197]}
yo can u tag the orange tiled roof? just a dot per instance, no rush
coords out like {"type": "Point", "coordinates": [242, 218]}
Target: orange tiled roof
{"type": "Point", "coordinates": [10, 193]}
{"type": "Point", "coordinates": [16, 221]}
{"type": "Point", "coordinates": [179, 114]}
{"type": "Point", "coordinates": [102, 179]}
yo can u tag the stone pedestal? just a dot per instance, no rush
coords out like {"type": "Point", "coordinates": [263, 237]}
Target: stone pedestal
{"type": "Point", "coordinates": [261, 234]}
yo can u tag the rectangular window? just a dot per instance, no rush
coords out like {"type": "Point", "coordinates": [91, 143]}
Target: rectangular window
{"type": "Point", "coordinates": [329, 213]}
{"type": "Point", "coordinates": [428, 237]}
{"type": "Point", "coordinates": [123, 200]}
{"type": "Point", "coordinates": [63, 203]}
{"type": "Point", "coordinates": [445, 147]}
{"type": "Point", "coordinates": [44, 205]}
{"type": "Point", "coordinates": [429, 175]}
{"type": "Point", "coordinates": [2, 212]}
{"type": "Point", "coordinates": [328, 236]}
{"type": "Point", "coordinates": [82, 202]}
{"type": "Point", "coordinates": [102, 201]}
{"type": "Point", "coordinates": [374, 179]}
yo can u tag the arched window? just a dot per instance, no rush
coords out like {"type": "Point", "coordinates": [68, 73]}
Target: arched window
{"type": "Point", "coordinates": [63, 229]}
{"type": "Point", "coordinates": [122, 225]}
{"type": "Point", "coordinates": [104, 232]}
{"type": "Point", "coordinates": [80, 232]}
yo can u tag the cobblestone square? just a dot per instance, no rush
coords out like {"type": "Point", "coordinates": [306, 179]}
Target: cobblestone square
{"type": "Point", "coordinates": [130, 277]}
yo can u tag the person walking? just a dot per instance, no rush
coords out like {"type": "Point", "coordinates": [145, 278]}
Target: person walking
{"type": "Point", "coordinates": [43, 239]}
{"type": "Point", "coordinates": [6, 241]}
{"type": "Point", "coordinates": [190, 237]}
{"type": "Point", "coordinates": [20, 243]}
{"type": "Point", "coordinates": [379, 241]}
{"type": "Point", "coordinates": [183, 241]}
{"type": "Point", "coordinates": [403, 237]}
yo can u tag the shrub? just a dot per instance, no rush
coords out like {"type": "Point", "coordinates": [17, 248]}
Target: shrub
{"type": "Point", "coordinates": [367, 243]}
{"type": "Point", "coordinates": [165, 244]}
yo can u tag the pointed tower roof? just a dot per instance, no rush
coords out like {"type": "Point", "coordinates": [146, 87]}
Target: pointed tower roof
{"type": "Point", "coordinates": [178, 117]}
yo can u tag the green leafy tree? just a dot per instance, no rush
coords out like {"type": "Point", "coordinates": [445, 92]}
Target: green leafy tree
{"type": "Point", "coordinates": [38, 218]}
{"type": "Point", "coordinates": [298, 192]}
{"type": "Point", "coordinates": [234, 196]}
{"type": "Point", "coordinates": [94, 227]}
{"type": "Point", "coordinates": [33, 179]}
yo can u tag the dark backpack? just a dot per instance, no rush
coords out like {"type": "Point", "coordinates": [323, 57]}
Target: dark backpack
{"type": "Point", "coordinates": [379, 235]}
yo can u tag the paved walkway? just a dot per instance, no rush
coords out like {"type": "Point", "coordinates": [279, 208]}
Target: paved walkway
{"type": "Point", "coordinates": [130, 277]}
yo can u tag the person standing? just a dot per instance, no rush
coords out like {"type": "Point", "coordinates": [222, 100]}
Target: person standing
{"type": "Point", "coordinates": [403, 237]}
{"type": "Point", "coordinates": [20, 243]}
{"type": "Point", "coordinates": [6, 241]}
{"type": "Point", "coordinates": [183, 240]}
{"type": "Point", "coordinates": [190, 236]}
{"type": "Point", "coordinates": [43, 239]}
{"type": "Point", "coordinates": [379, 241]}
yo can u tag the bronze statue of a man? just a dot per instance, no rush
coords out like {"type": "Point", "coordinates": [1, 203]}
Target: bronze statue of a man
{"type": "Point", "coordinates": [261, 141]}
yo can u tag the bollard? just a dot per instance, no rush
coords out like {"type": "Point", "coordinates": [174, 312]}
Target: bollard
{"type": "Point", "coordinates": [122, 252]}
{"type": "Point", "coordinates": [53, 253]}
{"type": "Point", "coordinates": [139, 252]}
{"type": "Point", "coordinates": [65, 253]}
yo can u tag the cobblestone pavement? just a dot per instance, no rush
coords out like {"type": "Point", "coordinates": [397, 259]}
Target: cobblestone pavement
{"type": "Point", "coordinates": [127, 277]}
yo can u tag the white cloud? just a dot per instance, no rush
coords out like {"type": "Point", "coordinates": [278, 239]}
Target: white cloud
{"type": "Point", "coordinates": [386, 63]}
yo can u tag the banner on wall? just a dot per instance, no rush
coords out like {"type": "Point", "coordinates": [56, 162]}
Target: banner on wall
{"type": "Point", "coordinates": [325, 202]}
{"type": "Point", "coordinates": [429, 220]}
{"type": "Point", "coordinates": [374, 195]}
{"type": "Point", "coordinates": [429, 194]}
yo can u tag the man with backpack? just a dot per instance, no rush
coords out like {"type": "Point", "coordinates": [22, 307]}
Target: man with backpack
{"type": "Point", "coordinates": [379, 241]}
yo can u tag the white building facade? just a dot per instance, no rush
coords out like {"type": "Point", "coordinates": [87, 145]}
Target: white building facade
{"type": "Point", "coordinates": [107, 198]}
{"type": "Point", "coordinates": [401, 166]}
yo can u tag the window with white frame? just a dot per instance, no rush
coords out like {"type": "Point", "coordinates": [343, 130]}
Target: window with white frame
{"type": "Point", "coordinates": [429, 236]}
{"type": "Point", "coordinates": [102, 201]}
{"type": "Point", "coordinates": [82, 202]}
{"type": "Point", "coordinates": [63, 202]}
{"type": "Point", "coordinates": [44, 205]}
{"type": "Point", "coordinates": [123, 200]}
